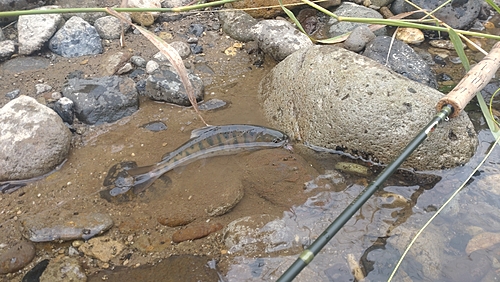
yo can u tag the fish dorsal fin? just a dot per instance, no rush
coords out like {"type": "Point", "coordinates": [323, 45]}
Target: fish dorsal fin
{"type": "Point", "coordinates": [200, 131]}
{"type": "Point", "coordinates": [166, 156]}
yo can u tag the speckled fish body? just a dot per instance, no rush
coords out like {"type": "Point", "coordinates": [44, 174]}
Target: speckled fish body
{"type": "Point", "coordinates": [205, 142]}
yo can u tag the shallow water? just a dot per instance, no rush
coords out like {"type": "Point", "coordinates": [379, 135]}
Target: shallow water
{"type": "Point", "coordinates": [370, 243]}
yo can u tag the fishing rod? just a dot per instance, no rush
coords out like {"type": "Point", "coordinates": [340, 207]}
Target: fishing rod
{"type": "Point", "coordinates": [449, 106]}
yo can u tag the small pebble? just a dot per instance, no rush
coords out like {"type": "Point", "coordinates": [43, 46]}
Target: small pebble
{"type": "Point", "coordinates": [13, 94]}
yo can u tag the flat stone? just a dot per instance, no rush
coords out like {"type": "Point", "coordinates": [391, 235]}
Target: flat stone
{"type": "Point", "coordinates": [65, 226]}
{"type": "Point", "coordinates": [197, 231]}
{"type": "Point", "coordinates": [102, 248]}
{"type": "Point", "coordinates": [23, 64]}
{"type": "Point", "coordinates": [16, 257]}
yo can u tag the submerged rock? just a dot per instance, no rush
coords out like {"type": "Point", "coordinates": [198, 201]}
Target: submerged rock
{"type": "Point", "coordinates": [104, 99]}
{"type": "Point", "coordinates": [63, 269]}
{"type": "Point", "coordinates": [102, 248]}
{"type": "Point", "coordinates": [16, 257]}
{"type": "Point", "coordinates": [33, 139]}
{"type": "Point", "coordinates": [65, 226]}
{"type": "Point", "coordinates": [197, 231]}
{"type": "Point", "coordinates": [333, 98]}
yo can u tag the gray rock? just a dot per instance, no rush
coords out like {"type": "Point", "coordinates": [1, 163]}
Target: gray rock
{"type": "Point", "coordinates": [13, 94]}
{"type": "Point", "coordinates": [23, 64]}
{"type": "Point", "coordinates": [334, 98]}
{"type": "Point", "coordinates": [7, 49]}
{"type": "Point", "coordinates": [403, 59]}
{"type": "Point", "coordinates": [104, 99]}
{"type": "Point", "coordinates": [65, 226]}
{"type": "Point", "coordinates": [237, 24]}
{"type": "Point", "coordinates": [152, 66]}
{"type": "Point", "coordinates": [63, 269]}
{"type": "Point", "coordinates": [212, 104]}
{"type": "Point", "coordinates": [34, 30]}
{"type": "Point", "coordinates": [108, 27]}
{"type": "Point", "coordinates": [348, 9]}
{"type": "Point", "coordinates": [76, 38]}
{"type": "Point", "coordinates": [358, 38]}
{"type": "Point", "coordinates": [182, 48]}
{"type": "Point", "coordinates": [138, 61]}
{"type": "Point", "coordinates": [64, 108]}
{"type": "Point", "coordinates": [42, 88]}
{"type": "Point", "coordinates": [165, 85]}
{"type": "Point", "coordinates": [2, 36]}
{"type": "Point", "coordinates": [279, 38]}
{"type": "Point", "coordinates": [33, 139]}
{"type": "Point", "coordinates": [458, 14]}
{"type": "Point", "coordinates": [16, 257]}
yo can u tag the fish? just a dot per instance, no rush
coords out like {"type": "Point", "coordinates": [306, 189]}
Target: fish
{"type": "Point", "coordinates": [204, 143]}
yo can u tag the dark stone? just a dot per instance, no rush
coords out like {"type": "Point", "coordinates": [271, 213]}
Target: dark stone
{"type": "Point", "coordinates": [100, 100]}
{"type": "Point", "coordinates": [64, 108]}
{"type": "Point", "coordinates": [165, 85]}
{"type": "Point", "coordinates": [22, 64]}
{"type": "Point", "coordinates": [135, 73]}
{"type": "Point", "coordinates": [34, 274]}
{"type": "Point", "coordinates": [76, 38]}
{"type": "Point", "coordinates": [458, 14]}
{"type": "Point", "coordinates": [155, 126]}
{"type": "Point", "coordinates": [403, 59]}
{"type": "Point", "coordinates": [13, 94]}
{"type": "Point", "coordinates": [196, 29]}
{"type": "Point", "coordinates": [196, 49]}
{"type": "Point", "coordinates": [141, 86]}
{"type": "Point", "coordinates": [212, 104]}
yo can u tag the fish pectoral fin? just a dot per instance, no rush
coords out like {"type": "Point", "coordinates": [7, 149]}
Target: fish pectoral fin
{"type": "Point", "coordinates": [143, 182]}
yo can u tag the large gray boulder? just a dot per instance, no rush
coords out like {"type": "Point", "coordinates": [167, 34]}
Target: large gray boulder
{"type": "Point", "coordinates": [33, 139]}
{"type": "Point", "coordinates": [337, 99]}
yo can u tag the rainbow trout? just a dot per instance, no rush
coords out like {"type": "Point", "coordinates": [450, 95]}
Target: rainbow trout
{"type": "Point", "coordinates": [205, 142]}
